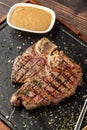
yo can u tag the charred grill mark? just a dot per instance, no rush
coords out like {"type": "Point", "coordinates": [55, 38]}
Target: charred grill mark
{"type": "Point", "coordinates": [41, 74]}
{"type": "Point", "coordinates": [20, 77]}
{"type": "Point", "coordinates": [52, 78]}
{"type": "Point", "coordinates": [24, 88]}
{"type": "Point", "coordinates": [58, 84]}
{"type": "Point", "coordinates": [22, 62]}
{"type": "Point", "coordinates": [67, 78]}
{"type": "Point", "coordinates": [18, 73]}
{"type": "Point", "coordinates": [31, 94]}
{"type": "Point", "coordinates": [39, 93]}
{"type": "Point", "coordinates": [64, 76]}
{"type": "Point", "coordinates": [36, 95]}
{"type": "Point", "coordinates": [41, 62]}
{"type": "Point", "coordinates": [48, 95]}
{"type": "Point", "coordinates": [50, 88]}
{"type": "Point", "coordinates": [64, 79]}
{"type": "Point", "coordinates": [37, 67]}
{"type": "Point", "coordinates": [46, 92]}
{"type": "Point", "coordinates": [70, 69]}
{"type": "Point", "coordinates": [69, 75]}
{"type": "Point", "coordinates": [49, 79]}
{"type": "Point", "coordinates": [52, 92]}
{"type": "Point", "coordinates": [31, 73]}
{"type": "Point", "coordinates": [61, 87]}
{"type": "Point", "coordinates": [30, 87]}
{"type": "Point", "coordinates": [55, 90]}
{"type": "Point", "coordinates": [19, 65]}
{"type": "Point", "coordinates": [40, 89]}
{"type": "Point", "coordinates": [37, 100]}
{"type": "Point", "coordinates": [29, 90]}
{"type": "Point", "coordinates": [66, 67]}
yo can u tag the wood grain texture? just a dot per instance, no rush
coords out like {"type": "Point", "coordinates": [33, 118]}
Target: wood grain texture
{"type": "Point", "coordinates": [3, 126]}
{"type": "Point", "coordinates": [4, 9]}
{"type": "Point", "coordinates": [70, 12]}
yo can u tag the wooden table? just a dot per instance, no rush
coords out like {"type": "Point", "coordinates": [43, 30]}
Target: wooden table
{"type": "Point", "coordinates": [3, 126]}
{"type": "Point", "coordinates": [67, 10]}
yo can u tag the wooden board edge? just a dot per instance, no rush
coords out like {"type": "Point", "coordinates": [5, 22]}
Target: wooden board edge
{"type": "Point", "coordinates": [59, 18]}
{"type": "Point", "coordinates": [3, 19]}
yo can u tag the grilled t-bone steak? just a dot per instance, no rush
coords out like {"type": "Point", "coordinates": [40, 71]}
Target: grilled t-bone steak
{"type": "Point", "coordinates": [47, 76]}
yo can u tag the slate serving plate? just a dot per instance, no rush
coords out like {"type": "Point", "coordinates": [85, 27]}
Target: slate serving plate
{"type": "Point", "coordinates": [60, 117]}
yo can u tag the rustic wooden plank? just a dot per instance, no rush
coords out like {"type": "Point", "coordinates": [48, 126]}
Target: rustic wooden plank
{"type": "Point", "coordinates": [4, 9]}
{"type": "Point", "coordinates": [3, 126]}
{"type": "Point", "coordinates": [58, 18]}
{"type": "Point", "coordinates": [68, 14]}
{"type": "Point", "coordinates": [75, 17]}
{"type": "Point", "coordinates": [3, 18]}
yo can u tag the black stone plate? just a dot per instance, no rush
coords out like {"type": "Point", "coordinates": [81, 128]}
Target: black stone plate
{"type": "Point", "coordinates": [60, 117]}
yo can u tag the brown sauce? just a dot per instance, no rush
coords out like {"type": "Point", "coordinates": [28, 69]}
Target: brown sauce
{"type": "Point", "coordinates": [31, 18]}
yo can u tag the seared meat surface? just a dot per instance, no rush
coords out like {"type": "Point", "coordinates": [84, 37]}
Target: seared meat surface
{"type": "Point", "coordinates": [48, 76]}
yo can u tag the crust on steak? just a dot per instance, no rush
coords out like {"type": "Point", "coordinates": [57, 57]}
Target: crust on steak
{"type": "Point", "coordinates": [48, 76]}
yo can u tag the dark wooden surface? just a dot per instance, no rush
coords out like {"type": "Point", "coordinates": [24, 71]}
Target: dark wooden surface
{"type": "Point", "coordinates": [72, 14]}
{"type": "Point", "coordinates": [3, 126]}
{"type": "Point", "coordinates": [4, 9]}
